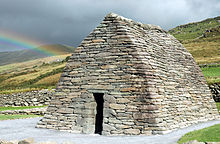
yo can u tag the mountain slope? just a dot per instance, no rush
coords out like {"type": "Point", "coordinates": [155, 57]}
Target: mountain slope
{"type": "Point", "coordinates": [33, 74]}
{"type": "Point", "coordinates": [201, 39]}
{"type": "Point", "coordinates": [191, 31]}
{"type": "Point", "coordinates": [25, 55]}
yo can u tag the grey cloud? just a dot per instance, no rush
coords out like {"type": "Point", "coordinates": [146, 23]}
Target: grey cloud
{"type": "Point", "coordinates": [69, 21]}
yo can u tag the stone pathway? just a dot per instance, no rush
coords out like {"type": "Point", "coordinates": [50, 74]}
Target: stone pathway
{"type": "Point", "coordinates": [25, 128]}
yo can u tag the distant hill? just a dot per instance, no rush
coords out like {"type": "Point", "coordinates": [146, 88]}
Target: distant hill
{"type": "Point", "coordinates": [34, 74]}
{"type": "Point", "coordinates": [191, 31]}
{"type": "Point", "coordinates": [201, 39]}
{"type": "Point", "coordinates": [31, 54]}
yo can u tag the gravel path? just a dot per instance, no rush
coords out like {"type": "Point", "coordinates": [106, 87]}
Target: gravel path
{"type": "Point", "coordinates": [25, 128]}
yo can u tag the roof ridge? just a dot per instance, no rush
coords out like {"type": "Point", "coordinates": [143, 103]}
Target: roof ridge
{"type": "Point", "coordinates": [144, 26]}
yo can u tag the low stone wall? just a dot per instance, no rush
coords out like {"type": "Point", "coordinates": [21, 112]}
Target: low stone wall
{"type": "Point", "coordinates": [33, 98]}
{"type": "Point", "coordinates": [215, 89]}
{"type": "Point", "coordinates": [34, 111]}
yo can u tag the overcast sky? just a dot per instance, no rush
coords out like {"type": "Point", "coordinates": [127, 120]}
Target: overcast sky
{"type": "Point", "coordinates": [70, 21]}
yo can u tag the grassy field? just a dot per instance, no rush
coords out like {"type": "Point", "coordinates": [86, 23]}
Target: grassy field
{"type": "Point", "coordinates": [24, 66]}
{"type": "Point", "coordinates": [188, 32]}
{"type": "Point", "coordinates": [19, 108]}
{"type": "Point", "coordinates": [9, 117]}
{"type": "Point", "coordinates": [212, 74]}
{"type": "Point", "coordinates": [204, 51]}
{"type": "Point", "coordinates": [210, 134]}
{"type": "Point", "coordinates": [201, 39]}
{"type": "Point", "coordinates": [32, 75]}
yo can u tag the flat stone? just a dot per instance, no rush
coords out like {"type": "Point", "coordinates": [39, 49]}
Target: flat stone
{"type": "Point", "coordinates": [122, 100]}
{"type": "Point", "coordinates": [117, 106]}
{"type": "Point", "coordinates": [128, 89]}
{"type": "Point", "coordinates": [26, 141]}
{"type": "Point", "coordinates": [132, 131]}
{"type": "Point", "coordinates": [108, 66]}
{"type": "Point", "coordinates": [65, 110]}
{"type": "Point", "coordinates": [98, 40]}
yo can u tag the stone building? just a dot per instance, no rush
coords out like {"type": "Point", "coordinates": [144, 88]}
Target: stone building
{"type": "Point", "coordinates": [129, 78]}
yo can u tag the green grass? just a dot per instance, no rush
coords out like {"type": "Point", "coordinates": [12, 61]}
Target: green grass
{"type": "Point", "coordinates": [9, 117]}
{"type": "Point", "coordinates": [19, 108]}
{"type": "Point", "coordinates": [212, 74]}
{"type": "Point", "coordinates": [188, 32]}
{"type": "Point", "coordinates": [210, 134]}
{"type": "Point", "coordinates": [201, 39]}
{"type": "Point", "coordinates": [40, 77]}
{"type": "Point", "coordinates": [211, 71]}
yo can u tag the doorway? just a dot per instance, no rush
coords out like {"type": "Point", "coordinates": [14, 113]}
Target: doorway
{"type": "Point", "coordinates": [99, 112]}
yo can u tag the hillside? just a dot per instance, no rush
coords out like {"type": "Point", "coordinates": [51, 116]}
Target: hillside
{"type": "Point", "coordinates": [201, 39]}
{"type": "Point", "coordinates": [191, 31]}
{"type": "Point", "coordinates": [34, 74]}
{"type": "Point", "coordinates": [31, 54]}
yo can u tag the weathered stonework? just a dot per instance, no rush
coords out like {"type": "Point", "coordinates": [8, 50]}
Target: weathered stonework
{"type": "Point", "coordinates": [215, 90]}
{"type": "Point", "coordinates": [34, 111]}
{"type": "Point", "coordinates": [32, 98]}
{"type": "Point", "coordinates": [151, 83]}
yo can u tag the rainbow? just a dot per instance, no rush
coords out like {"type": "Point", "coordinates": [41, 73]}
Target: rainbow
{"type": "Point", "coordinates": [24, 43]}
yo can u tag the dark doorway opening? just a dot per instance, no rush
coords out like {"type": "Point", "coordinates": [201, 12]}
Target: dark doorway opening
{"type": "Point", "coordinates": [99, 112]}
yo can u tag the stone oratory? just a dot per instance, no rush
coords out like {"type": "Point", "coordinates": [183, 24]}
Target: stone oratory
{"type": "Point", "coordinates": [129, 78]}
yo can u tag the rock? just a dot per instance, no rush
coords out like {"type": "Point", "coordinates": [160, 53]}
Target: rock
{"type": "Point", "coordinates": [194, 142]}
{"type": "Point", "coordinates": [122, 100]}
{"type": "Point", "coordinates": [33, 98]}
{"type": "Point", "coordinates": [117, 106]}
{"type": "Point", "coordinates": [27, 141]}
{"type": "Point", "coordinates": [132, 131]}
{"type": "Point", "coordinates": [5, 142]}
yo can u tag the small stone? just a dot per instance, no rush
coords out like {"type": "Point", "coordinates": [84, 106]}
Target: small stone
{"type": "Point", "coordinates": [122, 100]}
{"type": "Point", "coordinates": [5, 142]}
{"type": "Point", "coordinates": [34, 100]}
{"type": "Point", "coordinates": [194, 142]}
{"type": "Point", "coordinates": [117, 106]}
{"type": "Point", "coordinates": [65, 110]}
{"type": "Point", "coordinates": [132, 131]}
{"type": "Point", "coordinates": [98, 40]}
{"type": "Point", "coordinates": [26, 141]}
{"type": "Point", "coordinates": [128, 89]}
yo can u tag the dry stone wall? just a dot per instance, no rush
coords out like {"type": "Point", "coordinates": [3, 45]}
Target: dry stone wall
{"type": "Point", "coordinates": [215, 89]}
{"type": "Point", "coordinates": [150, 82]}
{"type": "Point", "coordinates": [32, 98]}
{"type": "Point", "coordinates": [35, 111]}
